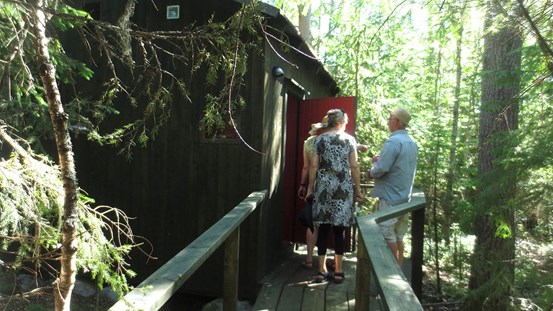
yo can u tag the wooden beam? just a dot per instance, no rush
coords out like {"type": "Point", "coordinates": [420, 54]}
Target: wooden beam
{"type": "Point", "coordinates": [230, 284]}
{"type": "Point", "coordinates": [417, 251]}
{"type": "Point", "coordinates": [362, 277]}
{"type": "Point", "coordinates": [153, 292]}
{"type": "Point", "coordinates": [395, 291]}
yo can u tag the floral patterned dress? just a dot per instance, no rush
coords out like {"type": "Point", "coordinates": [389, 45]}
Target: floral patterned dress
{"type": "Point", "coordinates": [333, 201]}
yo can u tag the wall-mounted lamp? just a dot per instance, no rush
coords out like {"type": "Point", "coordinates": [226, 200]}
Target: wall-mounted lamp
{"type": "Point", "coordinates": [173, 11]}
{"type": "Point", "coordinates": [278, 72]}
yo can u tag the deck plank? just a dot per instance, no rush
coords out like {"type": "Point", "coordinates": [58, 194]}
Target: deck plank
{"type": "Point", "coordinates": [314, 297]}
{"type": "Point", "coordinates": [289, 287]}
{"type": "Point", "coordinates": [283, 273]}
{"type": "Point", "coordinates": [351, 301]}
{"type": "Point", "coordinates": [302, 277]}
{"type": "Point", "coordinates": [268, 298]}
{"type": "Point", "coordinates": [292, 296]}
{"type": "Point", "coordinates": [337, 300]}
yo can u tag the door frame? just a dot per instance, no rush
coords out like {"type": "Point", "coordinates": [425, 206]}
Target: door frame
{"type": "Point", "coordinates": [296, 131]}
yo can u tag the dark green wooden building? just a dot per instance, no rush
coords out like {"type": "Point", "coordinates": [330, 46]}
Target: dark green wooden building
{"type": "Point", "coordinates": [182, 183]}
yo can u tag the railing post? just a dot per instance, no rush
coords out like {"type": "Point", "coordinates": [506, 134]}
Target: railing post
{"type": "Point", "coordinates": [231, 265]}
{"type": "Point", "coordinates": [417, 233]}
{"type": "Point", "coordinates": [362, 276]}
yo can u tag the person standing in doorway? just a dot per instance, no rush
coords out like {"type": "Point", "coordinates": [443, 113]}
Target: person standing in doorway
{"type": "Point", "coordinates": [310, 236]}
{"type": "Point", "coordinates": [334, 185]}
{"type": "Point", "coordinates": [394, 174]}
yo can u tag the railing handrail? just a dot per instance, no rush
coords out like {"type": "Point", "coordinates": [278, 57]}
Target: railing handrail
{"type": "Point", "coordinates": [155, 290]}
{"type": "Point", "coordinates": [395, 291]}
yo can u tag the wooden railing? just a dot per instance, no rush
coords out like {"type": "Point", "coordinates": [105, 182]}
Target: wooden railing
{"type": "Point", "coordinates": [153, 292]}
{"type": "Point", "coordinates": [374, 256]}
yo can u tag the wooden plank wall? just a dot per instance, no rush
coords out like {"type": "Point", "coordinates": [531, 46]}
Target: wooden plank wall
{"type": "Point", "coordinates": [181, 184]}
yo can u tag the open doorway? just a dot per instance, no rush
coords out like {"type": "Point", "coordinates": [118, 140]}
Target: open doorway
{"type": "Point", "coordinates": [300, 114]}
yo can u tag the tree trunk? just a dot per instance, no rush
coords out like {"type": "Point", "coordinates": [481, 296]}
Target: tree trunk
{"type": "Point", "coordinates": [66, 281]}
{"type": "Point", "coordinates": [304, 22]}
{"type": "Point", "coordinates": [435, 163]}
{"type": "Point", "coordinates": [492, 266]}
{"type": "Point", "coordinates": [449, 197]}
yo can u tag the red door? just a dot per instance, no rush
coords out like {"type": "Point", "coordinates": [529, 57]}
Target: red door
{"type": "Point", "coordinates": [300, 114]}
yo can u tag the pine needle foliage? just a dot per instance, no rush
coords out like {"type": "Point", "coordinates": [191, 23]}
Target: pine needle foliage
{"type": "Point", "coordinates": [31, 202]}
{"type": "Point", "coordinates": [214, 50]}
{"type": "Point", "coordinates": [30, 195]}
{"type": "Point", "coordinates": [138, 66]}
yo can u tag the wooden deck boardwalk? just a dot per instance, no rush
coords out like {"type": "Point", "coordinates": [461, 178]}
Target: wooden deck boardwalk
{"type": "Point", "coordinates": [289, 288]}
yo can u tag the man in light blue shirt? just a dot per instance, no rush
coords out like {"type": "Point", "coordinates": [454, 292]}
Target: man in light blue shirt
{"type": "Point", "coordinates": [394, 173]}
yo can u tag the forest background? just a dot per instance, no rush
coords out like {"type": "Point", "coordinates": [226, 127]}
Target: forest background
{"type": "Point", "coordinates": [476, 75]}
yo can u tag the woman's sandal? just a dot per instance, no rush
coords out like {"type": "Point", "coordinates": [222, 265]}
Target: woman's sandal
{"type": "Point", "coordinates": [321, 277]}
{"type": "Point", "coordinates": [307, 265]}
{"type": "Point", "coordinates": [339, 277]}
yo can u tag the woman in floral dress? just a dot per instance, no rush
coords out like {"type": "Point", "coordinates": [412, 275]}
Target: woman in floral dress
{"type": "Point", "coordinates": [335, 171]}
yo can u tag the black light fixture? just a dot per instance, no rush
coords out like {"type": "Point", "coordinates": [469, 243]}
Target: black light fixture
{"type": "Point", "coordinates": [278, 72]}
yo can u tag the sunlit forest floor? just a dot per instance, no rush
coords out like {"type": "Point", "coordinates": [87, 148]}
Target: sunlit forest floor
{"type": "Point", "coordinates": [533, 276]}
{"type": "Point", "coordinates": [42, 298]}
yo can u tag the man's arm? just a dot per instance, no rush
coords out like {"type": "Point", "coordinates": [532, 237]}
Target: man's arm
{"type": "Point", "coordinates": [383, 162]}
